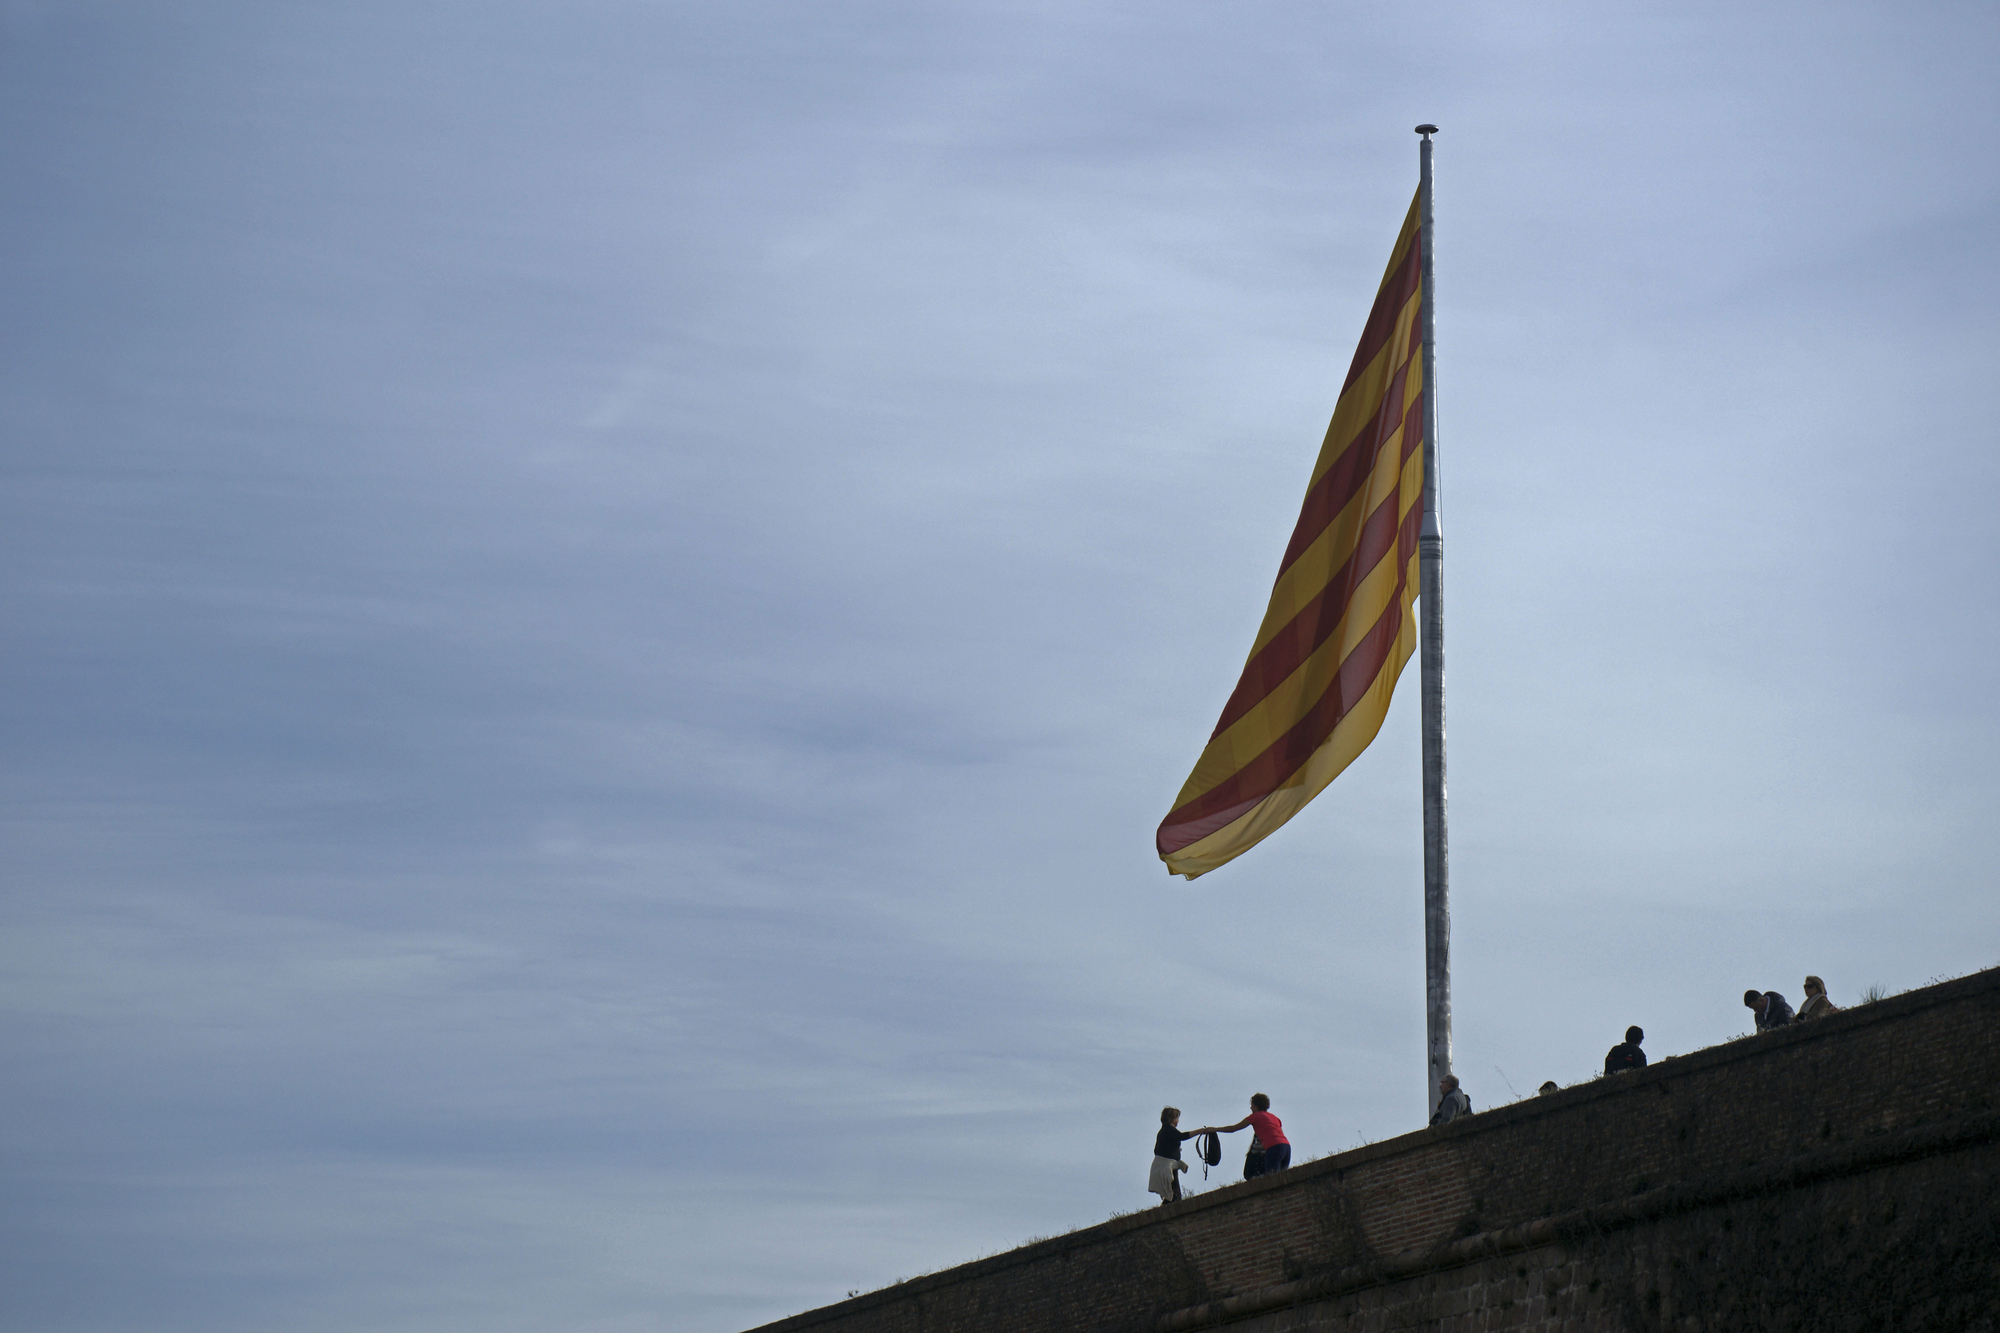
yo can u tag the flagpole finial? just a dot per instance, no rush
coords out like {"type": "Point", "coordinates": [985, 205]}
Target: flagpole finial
{"type": "Point", "coordinates": [1427, 130]}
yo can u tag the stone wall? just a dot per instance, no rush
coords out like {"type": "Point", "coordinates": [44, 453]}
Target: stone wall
{"type": "Point", "coordinates": [1831, 1175]}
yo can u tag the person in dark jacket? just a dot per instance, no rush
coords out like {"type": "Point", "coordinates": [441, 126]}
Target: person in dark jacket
{"type": "Point", "coordinates": [1626, 1054]}
{"type": "Point", "coordinates": [1770, 1008]}
{"type": "Point", "coordinates": [1165, 1179]}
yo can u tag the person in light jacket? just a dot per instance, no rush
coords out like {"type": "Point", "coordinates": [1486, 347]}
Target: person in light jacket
{"type": "Point", "coordinates": [1453, 1104]}
{"type": "Point", "coordinates": [1816, 1005]}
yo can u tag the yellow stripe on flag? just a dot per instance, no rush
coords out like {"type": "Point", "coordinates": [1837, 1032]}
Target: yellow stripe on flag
{"type": "Point", "coordinates": [1339, 625]}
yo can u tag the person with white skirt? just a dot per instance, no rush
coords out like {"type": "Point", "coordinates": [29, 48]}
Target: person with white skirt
{"type": "Point", "coordinates": [1167, 1164]}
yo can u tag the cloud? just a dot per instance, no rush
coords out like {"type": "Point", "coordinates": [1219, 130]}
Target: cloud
{"type": "Point", "coordinates": [602, 608]}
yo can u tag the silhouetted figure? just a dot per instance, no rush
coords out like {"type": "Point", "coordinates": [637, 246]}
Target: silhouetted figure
{"type": "Point", "coordinates": [1626, 1054]}
{"type": "Point", "coordinates": [1455, 1103]}
{"type": "Point", "coordinates": [1816, 1005]}
{"type": "Point", "coordinates": [1270, 1150]}
{"type": "Point", "coordinates": [1548, 1088]}
{"type": "Point", "coordinates": [1770, 1008]}
{"type": "Point", "coordinates": [1167, 1164]}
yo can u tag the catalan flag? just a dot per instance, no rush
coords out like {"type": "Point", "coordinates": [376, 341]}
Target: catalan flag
{"type": "Point", "coordinates": [1340, 624]}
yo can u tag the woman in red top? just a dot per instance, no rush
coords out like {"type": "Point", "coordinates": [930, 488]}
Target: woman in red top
{"type": "Point", "coordinates": [1269, 1133]}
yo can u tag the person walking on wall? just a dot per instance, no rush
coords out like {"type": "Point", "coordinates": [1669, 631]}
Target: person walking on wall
{"type": "Point", "coordinates": [1454, 1104]}
{"type": "Point", "coordinates": [1816, 1005]}
{"type": "Point", "coordinates": [1626, 1054]}
{"type": "Point", "coordinates": [1770, 1008]}
{"type": "Point", "coordinates": [1167, 1164]}
{"type": "Point", "coordinates": [1268, 1141]}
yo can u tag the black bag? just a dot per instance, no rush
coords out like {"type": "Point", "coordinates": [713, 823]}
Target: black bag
{"type": "Point", "coordinates": [1210, 1149]}
{"type": "Point", "coordinates": [1253, 1162]}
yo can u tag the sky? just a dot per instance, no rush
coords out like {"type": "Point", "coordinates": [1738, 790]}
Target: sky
{"type": "Point", "coordinates": [602, 600]}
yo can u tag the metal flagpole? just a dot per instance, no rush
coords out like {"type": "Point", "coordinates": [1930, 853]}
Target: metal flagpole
{"type": "Point", "coordinates": [1430, 549]}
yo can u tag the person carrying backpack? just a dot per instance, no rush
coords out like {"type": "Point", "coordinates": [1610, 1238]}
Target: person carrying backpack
{"type": "Point", "coordinates": [1626, 1054]}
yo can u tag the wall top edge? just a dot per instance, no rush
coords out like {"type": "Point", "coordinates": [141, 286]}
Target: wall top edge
{"type": "Point", "coordinates": [1483, 1122]}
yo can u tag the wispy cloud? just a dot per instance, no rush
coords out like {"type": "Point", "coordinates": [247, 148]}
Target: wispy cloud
{"type": "Point", "coordinates": [602, 604]}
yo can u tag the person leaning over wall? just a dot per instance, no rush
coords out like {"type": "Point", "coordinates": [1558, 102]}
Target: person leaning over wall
{"type": "Point", "coordinates": [1816, 1005]}
{"type": "Point", "coordinates": [1270, 1150]}
{"type": "Point", "coordinates": [1770, 1008]}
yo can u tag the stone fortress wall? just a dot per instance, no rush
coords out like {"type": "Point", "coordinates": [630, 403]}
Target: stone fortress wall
{"type": "Point", "coordinates": [1841, 1174]}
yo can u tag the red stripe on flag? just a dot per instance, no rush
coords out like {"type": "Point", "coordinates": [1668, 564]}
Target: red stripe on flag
{"type": "Point", "coordinates": [1397, 288]}
{"type": "Point", "coordinates": [1350, 472]}
{"type": "Point", "coordinates": [1304, 633]}
{"type": "Point", "coordinates": [1285, 756]}
{"type": "Point", "coordinates": [1267, 772]}
{"type": "Point", "coordinates": [1316, 621]}
{"type": "Point", "coordinates": [1172, 837]}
